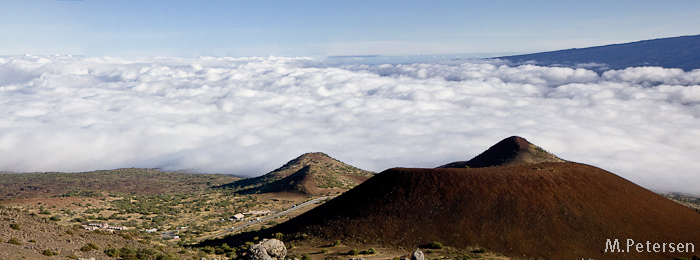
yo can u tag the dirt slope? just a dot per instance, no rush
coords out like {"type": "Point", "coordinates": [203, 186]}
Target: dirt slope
{"type": "Point", "coordinates": [551, 210]}
{"type": "Point", "coordinates": [35, 234]}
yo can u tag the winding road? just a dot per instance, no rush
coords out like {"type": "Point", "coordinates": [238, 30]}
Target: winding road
{"type": "Point", "coordinates": [231, 230]}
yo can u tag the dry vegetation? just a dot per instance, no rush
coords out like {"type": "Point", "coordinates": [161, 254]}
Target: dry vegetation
{"type": "Point", "coordinates": [33, 236]}
{"type": "Point", "coordinates": [131, 180]}
{"type": "Point", "coordinates": [684, 199]}
{"type": "Point", "coordinates": [47, 205]}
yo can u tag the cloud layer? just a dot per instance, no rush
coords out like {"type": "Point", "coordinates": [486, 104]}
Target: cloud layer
{"type": "Point", "coordinates": [248, 116]}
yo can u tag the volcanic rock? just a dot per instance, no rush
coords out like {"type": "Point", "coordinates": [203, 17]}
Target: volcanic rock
{"type": "Point", "coordinates": [268, 249]}
{"type": "Point", "coordinates": [418, 255]}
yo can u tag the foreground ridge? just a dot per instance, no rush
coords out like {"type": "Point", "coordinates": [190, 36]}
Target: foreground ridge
{"type": "Point", "coordinates": [538, 206]}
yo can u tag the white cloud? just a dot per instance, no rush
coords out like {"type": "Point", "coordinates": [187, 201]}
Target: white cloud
{"type": "Point", "coordinates": [250, 115]}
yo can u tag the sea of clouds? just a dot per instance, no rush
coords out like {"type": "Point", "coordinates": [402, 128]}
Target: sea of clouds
{"type": "Point", "coordinates": [247, 116]}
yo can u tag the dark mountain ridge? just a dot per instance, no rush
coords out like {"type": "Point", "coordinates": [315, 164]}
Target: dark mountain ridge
{"type": "Point", "coordinates": [676, 52]}
{"type": "Point", "coordinates": [550, 210]}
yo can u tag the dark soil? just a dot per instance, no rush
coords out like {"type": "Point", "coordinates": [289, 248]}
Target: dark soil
{"type": "Point", "coordinates": [550, 210]}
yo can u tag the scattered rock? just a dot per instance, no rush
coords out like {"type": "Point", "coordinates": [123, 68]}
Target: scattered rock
{"type": "Point", "coordinates": [418, 255]}
{"type": "Point", "coordinates": [268, 249]}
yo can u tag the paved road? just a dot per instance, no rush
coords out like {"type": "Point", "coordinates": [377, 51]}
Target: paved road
{"type": "Point", "coordinates": [245, 224]}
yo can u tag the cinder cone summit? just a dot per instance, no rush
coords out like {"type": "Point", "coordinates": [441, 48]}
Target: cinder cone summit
{"type": "Point", "coordinates": [511, 151]}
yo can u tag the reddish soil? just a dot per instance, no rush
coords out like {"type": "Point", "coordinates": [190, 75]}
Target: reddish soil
{"type": "Point", "coordinates": [549, 210]}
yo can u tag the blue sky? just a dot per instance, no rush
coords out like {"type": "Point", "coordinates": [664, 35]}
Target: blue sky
{"type": "Point", "coordinates": [318, 28]}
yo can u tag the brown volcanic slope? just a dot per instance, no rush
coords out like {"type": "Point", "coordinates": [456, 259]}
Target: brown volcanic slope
{"type": "Point", "coordinates": [511, 151]}
{"type": "Point", "coordinates": [551, 210]}
{"type": "Point", "coordinates": [310, 173]}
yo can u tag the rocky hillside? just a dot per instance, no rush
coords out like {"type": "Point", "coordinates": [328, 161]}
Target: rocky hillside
{"type": "Point", "coordinates": [310, 173]}
{"type": "Point", "coordinates": [32, 236]}
{"type": "Point", "coordinates": [511, 151]}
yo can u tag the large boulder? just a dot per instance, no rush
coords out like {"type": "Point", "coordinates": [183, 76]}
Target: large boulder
{"type": "Point", "coordinates": [268, 249]}
{"type": "Point", "coordinates": [418, 255]}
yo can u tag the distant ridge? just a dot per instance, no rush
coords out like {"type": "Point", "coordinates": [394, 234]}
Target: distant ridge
{"type": "Point", "coordinates": [310, 173]}
{"type": "Point", "coordinates": [677, 52]}
{"type": "Point", "coordinates": [511, 151]}
{"type": "Point", "coordinates": [560, 210]}
{"type": "Point", "coordinates": [126, 180]}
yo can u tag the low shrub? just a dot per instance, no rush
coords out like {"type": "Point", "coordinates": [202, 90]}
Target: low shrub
{"type": "Point", "coordinates": [480, 251]}
{"type": "Point", "coordinates": [354, 252]}
{"type": "Point", "coordinates": [465, 257]}
{"type": "Point", "coordinates": [14, 241]}
{"type": "Point", "coordinates": [48, 252]}
{"type": "Point", "coordinates": [370, 251]}
{"type": "Point", "coordinates": [100, 232]}
{"type": "Point", "coordinates": [207, 249]}
{"type": "Point", "coordinates": [111, 252]}
{"type": "Point", "coordinates": [435, 245]}
{"type": "Point", "coordinates": [14, 226]}
{"type": "Point", "coordinates": [126, 236]}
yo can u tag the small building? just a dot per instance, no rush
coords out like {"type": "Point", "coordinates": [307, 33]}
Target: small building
{"type": "Point", "coordinates": [91, 228]}
{"type": "Point", "coordinates": [239, 216]}
{"type": "Point", "coordinates": [103, 227]}
{"type": "Point", "coordinates": [118, 227]}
